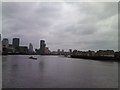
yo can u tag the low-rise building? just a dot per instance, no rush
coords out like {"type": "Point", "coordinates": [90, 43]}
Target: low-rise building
{"type": "Point", "coordinates": [11, 49]}
{"type": "Point", "coordinates": [47, 51]}
{"type": "Point", "coordinates": [91, 53]}
{"type": "Point", "coordinates": [54, 53]}
{"type": "Point", "coordinates": [23, 49]}
{"type": "Point", "coordinates": [117, 55]}
{"type": "Point", "coordinates": [105, 53]}
{"type": "Point", "coordinates": [75, 52]}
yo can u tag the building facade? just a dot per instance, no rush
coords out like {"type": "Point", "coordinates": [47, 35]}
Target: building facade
{"type": "Point", "coordinates": [5, 45]}
{"type": "Point", "coordinates": [105, 53]}
{"type": "Point", "coordinates": [11, 49]}
{"type": "Point", "coordinates": [42, 46]}
{"type": "Point", "coordinates": [47, 51]}
{"type": "Point", "coordinates": [30, 48]}
{"type": "Point", "coordinates": [23, 50]}
{"type": "Point", "coordinates": [16, 42]}
{"type": "Point", "coordinates": [0, 45]}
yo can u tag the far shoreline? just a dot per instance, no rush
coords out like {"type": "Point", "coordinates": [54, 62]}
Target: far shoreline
{"type": "Point", "coordinates": [96, 58]}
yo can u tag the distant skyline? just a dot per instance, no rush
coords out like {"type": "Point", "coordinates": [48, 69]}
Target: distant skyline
{"type": "Point", "coordinates": [83, 26]}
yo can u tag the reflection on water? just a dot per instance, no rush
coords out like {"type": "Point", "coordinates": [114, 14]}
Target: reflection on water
{"type": "Point", "coordinates": [58, 72]}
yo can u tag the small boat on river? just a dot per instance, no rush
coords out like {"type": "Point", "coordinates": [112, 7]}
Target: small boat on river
{"type": "Point", "coordinates": [31, 57]}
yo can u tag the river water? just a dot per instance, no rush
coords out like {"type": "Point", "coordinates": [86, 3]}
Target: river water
{"type": "Point", "coordinates": [57, 72]}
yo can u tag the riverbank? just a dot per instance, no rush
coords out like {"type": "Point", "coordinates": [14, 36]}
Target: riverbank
{"type": "Point", "coordinates": [102, 58]}
{"type": "Point", "coordinates": [105, 58]}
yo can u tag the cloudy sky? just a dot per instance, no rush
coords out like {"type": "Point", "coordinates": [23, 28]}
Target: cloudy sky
{"type": "Point", "coordinates": [63, 25]}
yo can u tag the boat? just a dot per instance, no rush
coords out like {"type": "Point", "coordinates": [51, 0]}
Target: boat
{"type": "Point", "coordinates": [32, 57]}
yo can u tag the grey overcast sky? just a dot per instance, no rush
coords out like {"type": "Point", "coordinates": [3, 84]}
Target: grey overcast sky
{"type": "Point", "coordinates": [63, 25]}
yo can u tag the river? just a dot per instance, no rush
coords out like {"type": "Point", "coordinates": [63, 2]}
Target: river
{"type": "Point", "coordinates": [57, 72]}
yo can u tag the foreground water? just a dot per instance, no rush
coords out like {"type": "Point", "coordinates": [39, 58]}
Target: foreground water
{"type": "Point", "coordinates": [57, 72]}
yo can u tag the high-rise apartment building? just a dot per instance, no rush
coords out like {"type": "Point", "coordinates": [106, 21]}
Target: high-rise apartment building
{"type": "Point", "coordinates": [5, 43]}
{"type": "Point", "coordinates": [42, 46]}
{"type": "Point", "coordinates": [15, 42]}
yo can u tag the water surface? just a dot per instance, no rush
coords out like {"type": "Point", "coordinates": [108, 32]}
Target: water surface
{"type": "Point", "coordinates": [57, 72]}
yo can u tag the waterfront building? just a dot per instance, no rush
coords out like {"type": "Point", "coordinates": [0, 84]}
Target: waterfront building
{"type": "Point", "coordinates": [84, 53]}
{"type": "Point", "coordinates": [58, 51]}
{"type": "Point", "coordinates": [117, 55]}
{"type": "Point", "coordinates": [75, 52]}
{"type": "Point", "coordinates": [37, 51]}
{"type": "Point", "coordinates": [42, 46]}
{"type": "Point", "coordinates": [54, 53]}
{"type": "Point", "coordinates": [0, 49]}
{"type": "Point", "coordinates": [47, 51]}
{"type": "Point", "coordinates": [30, 48]}
{"type": "Point", "coordinates": [70, 51]}
{"type": "Point", "coordinates": [0, 45]}
{"type": "Point", "coordinates": [91, 53]}
{"type": "Point", "coordinates": [0, 37]}
{"type": "Point", "coordinates": [16, 42]}
{"type": "Point", "coordinates": [62, 52]}
{"type": "Point", "coordinates": [5, 43]}
{"type": "Point", "coordinates": [105, 53]}
{"type": "Point", "coordinates": [23, 49]}
{"type": "Point", "coordinates": [11, 49]}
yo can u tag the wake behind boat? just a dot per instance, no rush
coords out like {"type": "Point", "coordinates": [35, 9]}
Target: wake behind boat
{"type": "Point", "coordinates": [31, 57]}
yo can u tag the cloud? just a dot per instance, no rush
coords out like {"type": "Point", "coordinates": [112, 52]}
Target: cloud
{"type": "Point", "coordinates": [63, 25]}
